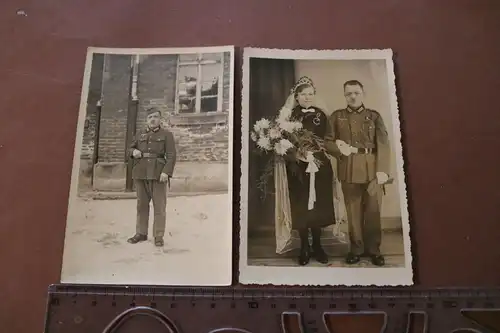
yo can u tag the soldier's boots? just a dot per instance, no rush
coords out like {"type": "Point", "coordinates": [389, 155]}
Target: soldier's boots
{"type": "Point", "coordinates": [137, 238]}
{"type": "Point", "coordinates": [352, 258]}
{"type": "Point", "coordinates": [376, 260]}
{"type": "Point", "coordinates": [159, 241]}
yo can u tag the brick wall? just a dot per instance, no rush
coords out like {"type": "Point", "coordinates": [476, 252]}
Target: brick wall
{"type": "Point", "coordinates": [202, 138]}
{"type": "Point", "coordinates": [206, 139]}
{"type": "Point", "coordinates": [203, 142]}
{"type": "Point", "coordinates": [156, 85]}
{"type": "Point", "coordinates": [115, 100]}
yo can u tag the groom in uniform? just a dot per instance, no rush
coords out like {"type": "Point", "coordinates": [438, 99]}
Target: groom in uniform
{"type": "Point", "coordinates": [154, 154]}
{"type": "Point", "coordinates": [358, 138]}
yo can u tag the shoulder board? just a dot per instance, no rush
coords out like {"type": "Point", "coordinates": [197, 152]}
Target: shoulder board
{"type": "Point", "coordinates": [373, 111]}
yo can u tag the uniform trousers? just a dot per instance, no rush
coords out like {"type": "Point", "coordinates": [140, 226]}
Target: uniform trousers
{"type": "Point", "coordinates": [364, 221]}
{"type": "Point", "coordinates": [151, 190]}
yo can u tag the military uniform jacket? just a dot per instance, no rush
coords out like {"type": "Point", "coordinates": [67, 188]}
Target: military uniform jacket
{"type": "Point", "coordinates": [158, 154]}
{"type": "Point", "coordinates": [363, 128]}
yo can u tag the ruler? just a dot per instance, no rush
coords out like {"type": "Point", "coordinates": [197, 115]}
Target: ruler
{"type": "Point", "coordinates": [106, 309]}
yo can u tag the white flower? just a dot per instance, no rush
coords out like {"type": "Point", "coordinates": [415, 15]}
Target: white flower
{"type": "Point", "coordinates": [282, 146]}
{"type": "Point", "coordinates": [287, 126]}
{"type": "Point", "coordinates": [274, 133]}
{"type": "Point", "coordinates": [253, 136]}
{"type": "Point", "coordinates": [286, 143]}
{"type": "Point", "coordinates": [261, 125]}
{"type": "Point", "coordinates": [291, 126]}
{"type": "Point", "coordinates": [264, 143]}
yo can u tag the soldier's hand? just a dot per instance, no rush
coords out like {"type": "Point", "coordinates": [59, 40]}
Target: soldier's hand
{"type": "Point", "coordinates": [382, 178]}
{"type": "Point", "coordinates": [373, 188]}
{"type": "Point", "coordinates": [136, 153]}
{"type": "Point", "coordinates": [163, 177]}
{"type": "Point", "coordinates": [344, 148]}
{"type": "Point", "coordinates": [340, 143]}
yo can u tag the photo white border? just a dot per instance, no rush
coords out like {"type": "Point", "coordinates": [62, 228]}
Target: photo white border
{"type": "Point", "coordinates": [333, 276]}
{"type": "Point", "coordinates": [73, 193]}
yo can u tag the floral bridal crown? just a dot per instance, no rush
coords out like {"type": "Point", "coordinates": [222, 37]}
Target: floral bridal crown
{"type": "Point", "coordinates": [301, 81]}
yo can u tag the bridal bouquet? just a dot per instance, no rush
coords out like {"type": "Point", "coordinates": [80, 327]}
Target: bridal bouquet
{"type": "Point", "coordinates": [283, 138]}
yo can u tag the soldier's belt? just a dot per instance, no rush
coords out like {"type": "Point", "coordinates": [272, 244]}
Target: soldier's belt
{"type": "Point", "coordinates": [149, 155]}
{"type": "Point", "coordinates": [366, 150]}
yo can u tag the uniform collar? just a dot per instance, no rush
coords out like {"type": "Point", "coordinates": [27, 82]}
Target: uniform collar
{"type": "Point", "coordinates": [358, 110]}
{"type": "Point", "coordinates": [156, 129]}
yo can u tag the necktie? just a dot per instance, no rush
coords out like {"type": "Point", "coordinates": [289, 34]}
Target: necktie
{"type": "Point", "coordinates": [307, 110]}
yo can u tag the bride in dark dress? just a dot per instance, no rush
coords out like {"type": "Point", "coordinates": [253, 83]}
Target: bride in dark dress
{"type": "Point", "coordinates": [310, 214]}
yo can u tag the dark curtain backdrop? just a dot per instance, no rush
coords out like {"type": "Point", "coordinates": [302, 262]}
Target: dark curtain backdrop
{"type": "Point", "coordinates": [270, 84]}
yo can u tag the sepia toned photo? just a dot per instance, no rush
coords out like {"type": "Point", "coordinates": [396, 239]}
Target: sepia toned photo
{"type": "Point", "coordinates": [323, 195]}
{"type": "Point", "coordinates": [151, 191]}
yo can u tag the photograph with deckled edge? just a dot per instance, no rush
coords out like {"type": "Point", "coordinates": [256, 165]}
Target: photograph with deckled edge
{"type": "Point", "coordinates": [323, 193]}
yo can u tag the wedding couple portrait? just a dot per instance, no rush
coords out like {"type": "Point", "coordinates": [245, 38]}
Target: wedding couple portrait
{"type": "Point", "coordinates": [323, 194]}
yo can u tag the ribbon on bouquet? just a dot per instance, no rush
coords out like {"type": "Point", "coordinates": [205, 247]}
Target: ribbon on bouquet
{"type": "Point", "coordinates": [311, 169]}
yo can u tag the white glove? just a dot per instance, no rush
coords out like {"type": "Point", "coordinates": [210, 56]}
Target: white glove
{"type": "Point", "coordinates": [163, 177]}
{"type": "Point", "coordinates": [382, 178]}
{"type": "Point", "coordinates": [136, 153]}
{"type": "Point", "coordinates": [344, 148]}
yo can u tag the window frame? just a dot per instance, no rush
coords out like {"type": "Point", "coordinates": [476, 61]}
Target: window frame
{"type": "Point", "coordinates": [200, 62]}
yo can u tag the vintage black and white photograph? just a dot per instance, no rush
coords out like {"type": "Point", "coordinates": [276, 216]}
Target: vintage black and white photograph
{"type": "Point", "coordinates": [151, 191]}
{"type": "Point", "coordinates": [323, 194]}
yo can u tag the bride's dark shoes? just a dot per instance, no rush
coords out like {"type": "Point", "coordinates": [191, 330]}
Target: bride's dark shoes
{"type": "Point", "coordinates": [305, 249]}
{"type": "Point", "coordinates": [318, 253]}
{"type": "Point", "coordinates": [304, 256]}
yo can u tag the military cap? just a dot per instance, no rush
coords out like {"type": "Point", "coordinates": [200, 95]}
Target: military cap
{"type": "Point", "coordinates": [152, 110]}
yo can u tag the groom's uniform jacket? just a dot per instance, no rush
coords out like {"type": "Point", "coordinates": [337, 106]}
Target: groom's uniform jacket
{"type": "Point", "coordinates": [158, 154]}
{"type": "Point", "coordinates": [364, 129]}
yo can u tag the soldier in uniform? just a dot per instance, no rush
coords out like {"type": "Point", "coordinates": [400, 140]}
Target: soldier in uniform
{"type": "Point", "coordinates": [358, 138]}
{"type": "Point", "coordinates": [154, 154]}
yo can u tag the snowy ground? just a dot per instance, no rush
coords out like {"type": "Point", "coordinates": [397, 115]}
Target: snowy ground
{"type": "Point", "coordinates": [197, 247]}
